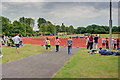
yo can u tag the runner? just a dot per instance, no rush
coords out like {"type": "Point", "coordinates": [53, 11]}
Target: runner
{"type": "Point", "coordinates": [21, 43]}
{"type": "Point", "coordinates": [16, 41]}
{"type": "Point", "coordinates": [57, 43]}
{"type": "Point", "coordinates": [47, 43]}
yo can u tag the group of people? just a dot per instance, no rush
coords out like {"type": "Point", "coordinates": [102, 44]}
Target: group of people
{"type": "Point", "coordinates": [57, 44]}
{"type": "Point", "coordinates": [92, 42]}
{"type": "Point", "coordinates": [105, 43]}
{"type": "Point", "coordinates": [104, 52]}
{"type": "Point", "coordinates": [12, 41]}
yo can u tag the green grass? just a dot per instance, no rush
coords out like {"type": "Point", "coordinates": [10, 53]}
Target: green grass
{"type": "Point", "coordinates": [84, 65]}
{"type": "Point", "coordinates": [101, 36]}
{"type": "Point", "coordinates": [9, 53]}
{"type": "Point", "coordinates": [107, 35]}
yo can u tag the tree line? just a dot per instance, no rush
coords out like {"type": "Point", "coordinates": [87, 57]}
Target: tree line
{"type": "Point", "coordinates": [25, 26]}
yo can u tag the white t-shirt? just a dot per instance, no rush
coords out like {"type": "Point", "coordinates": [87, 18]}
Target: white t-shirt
{"type": "Point", "coordinates": [16, 39]}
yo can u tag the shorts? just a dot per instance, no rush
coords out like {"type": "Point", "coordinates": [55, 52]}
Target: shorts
{"type": "Point", "coordinates": [17, 45]}
{"type": "Point", "coordinates": [103, 44]}
{"type": "Point", "coordinates": [48, 46]}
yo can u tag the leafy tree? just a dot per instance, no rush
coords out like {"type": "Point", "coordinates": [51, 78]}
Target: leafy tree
{"type": "Point", "coordinates": [40, 21]}
{"type": "Point", "coordinates": [71, 29]}
{"type": "Point", "coordinates": [63, 29]}
{"type": "Point", "coordinates": [57, 28]}
{"type": "Point", "coordinates": [115, 29]}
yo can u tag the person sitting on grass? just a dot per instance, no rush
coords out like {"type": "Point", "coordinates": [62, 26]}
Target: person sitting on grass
{"type": "Point", "coordinates": [16, 41]}
{"type": "Point", "coordinates": [92, 51]}
{"type": "Point", "coordinates": [106, 52]}
{"type": "Point", "coordinates": [47, 43]}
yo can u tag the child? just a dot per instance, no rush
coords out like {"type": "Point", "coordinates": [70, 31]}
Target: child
{"type": "Point", "coordinates": [57, 43]}
{"type": "Point", "coordinates": [47, 43]}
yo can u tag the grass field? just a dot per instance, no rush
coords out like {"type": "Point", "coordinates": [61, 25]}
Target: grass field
{"type": "Point", "coordinates": [101, 36]}
{"type": "Point", "coordinates": [9, 53]}
{"type": "Point", "coordinates": [84, 65]}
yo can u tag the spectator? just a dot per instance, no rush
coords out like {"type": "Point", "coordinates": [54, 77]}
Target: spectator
{"type": "Point", "coordinates": [87, 39]}
{"type": "Point", "coordinates": [95, 42]}
{"type": "Point", "coordinates": [103, 43]}
{"type": "Point", "coordinates": [90, 42]}
{"type": "Point", "coordinates": [106, 52]}
{"type": "Point", "coordinates": [17, 40]}
{"type": "Point", "coordinates": [57, 43]}
{"type": "Point", "coordinates": [112, 42]}
{"type": "Point", "coordinates": [107, 43]}
{"type": "Point", "coordinates": [115, 44]}
{"type": "Point", "coordinates": [93, 52]}
{"type": "Point", "coordinates": [118, 43]}
{"type": "Point", "coordinates": [47, 43]}
{"type": "Point", "coordinates": [69, 42]}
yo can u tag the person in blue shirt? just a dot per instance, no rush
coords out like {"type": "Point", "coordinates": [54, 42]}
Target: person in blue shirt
{"type": "Point", "coordinates": [69, 42]}
{"type": "Point", "coordinates": [106, 52]}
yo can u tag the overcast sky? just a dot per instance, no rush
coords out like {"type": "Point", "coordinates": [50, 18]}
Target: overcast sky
{"type": "Point", "coordinates": [69, 13]}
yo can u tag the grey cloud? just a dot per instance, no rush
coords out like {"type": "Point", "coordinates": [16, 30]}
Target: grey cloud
{"type": "Point", "coordinates": [44, 9]}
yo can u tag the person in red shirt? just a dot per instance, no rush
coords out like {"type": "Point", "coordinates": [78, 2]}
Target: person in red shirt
{"type": "Point", "coordinates": [107, 43]}
{"type": "Point", "coordinates": [90, 42]}
{"type": "Point", "coordinates": [57, 43]}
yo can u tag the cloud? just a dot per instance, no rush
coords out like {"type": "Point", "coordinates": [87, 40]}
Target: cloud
{"type": "Point", "coordinates": [70, 13]}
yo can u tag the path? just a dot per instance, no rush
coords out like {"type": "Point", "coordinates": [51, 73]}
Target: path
{"type": "Point", "coordinates": [42, 65]}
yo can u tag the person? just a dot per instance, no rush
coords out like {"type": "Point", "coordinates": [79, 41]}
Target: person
{"type": "Point", "coordinates": [57, 43]}
{"type": "Point", "coordinates": [107, 43]}
{"type": "Point", "coordinates": [47, 43]}
{"type": "Point", "coordinates": [118, 43]}
{"type": "Point", "coordinates": [10, 41]}
{"type": "Point", "coordinates": [106, 52]}
{"type": "Point", "coordinates": [0, 50]}
{"type": "Point", "coordinates": [90, 42]}
{"type": "Point", "coordinates": [102, 51]}
{"type": "Point", "coordinates": [21, 44]}
{"type": "Point", "coordinates": [95, 42]}
{"type": "Point", "coordinates": [87, 39]}
{"type": "Point", "coordinates": [115, 44]}
{"type": "Point", "coordinates": [16, 41]}
{"type": "Point", "coordinates": [69, 42]}
{"type": "Point", "coordinates": [5, 39]}
{"type": "Point", "coordinates": [92, 51]}
{"type": "Point", "coordinates": [103, 43]}
{"type": "Point", "coordinates": [112, 42]}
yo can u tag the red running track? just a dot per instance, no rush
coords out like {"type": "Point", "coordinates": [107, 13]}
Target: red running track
{"type": "Point", "coordinates": [80, 42]}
